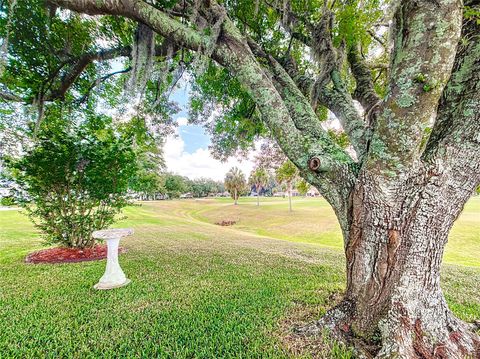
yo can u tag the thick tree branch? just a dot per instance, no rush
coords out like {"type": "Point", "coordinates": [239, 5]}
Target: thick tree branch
{"type": "Point", "coordinates": [80, 65]}
{"type": "Point", "coordinates": [160, 21]}
{"type": "Point", "coordinates": [338, 100]}
{"type": "Point", "coordinates": [8, 96]}
{"type": "Point", "coordinates": [300, 108]}
{"type": "Point", "coordinates": [455, 137]}
{"type": "Point", "coordinates": [425, 34]}
{"type": "Point", "coordinates": [364, 91]}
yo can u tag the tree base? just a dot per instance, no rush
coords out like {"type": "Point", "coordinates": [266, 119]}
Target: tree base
{"type": "Point", "coordinates": [336, 324]}
{"type": "Point", "coordinates": [410, 340]}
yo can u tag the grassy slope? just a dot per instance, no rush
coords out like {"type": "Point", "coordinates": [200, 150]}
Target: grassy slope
{"type": "Point", "coordinates": [313, 221]}
{"type": "Point", "coordinates": [197, 289]}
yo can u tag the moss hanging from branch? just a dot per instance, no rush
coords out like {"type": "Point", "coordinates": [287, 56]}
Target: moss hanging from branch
{"type": "Point", "coordinates": [142, 58]}
{"type": "Point", "coordinates": [4, 47]}
{"type": "Point", "coordinates": [216, 18]}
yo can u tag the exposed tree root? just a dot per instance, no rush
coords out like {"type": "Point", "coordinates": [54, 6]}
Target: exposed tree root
{"type": "Point", "coordinates": [336, 323]}
{"type": "Point", "coordinates": [410, 341]}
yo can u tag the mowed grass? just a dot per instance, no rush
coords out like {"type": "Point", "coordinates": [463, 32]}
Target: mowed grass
{"type": "Point", "coordinates": [198, 289]}
{"type": "Point", "coordinates": [313, 221]}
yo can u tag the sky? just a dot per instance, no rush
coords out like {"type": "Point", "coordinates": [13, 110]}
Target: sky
{"type": "Point", "coordinates": [187, 153]}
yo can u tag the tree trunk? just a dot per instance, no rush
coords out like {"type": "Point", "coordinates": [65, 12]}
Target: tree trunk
{"type": "Point", "coordinates": [394, 251]}
{"type": "Point", "coordinates": [235, 197]}
{"type": "Point", "coordinates": [290, 197]}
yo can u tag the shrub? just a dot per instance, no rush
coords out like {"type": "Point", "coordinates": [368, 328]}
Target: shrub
{"type": "Point", "coordinates": [75, 178]}
{"type": "Point", "coordinates": [7, 201]}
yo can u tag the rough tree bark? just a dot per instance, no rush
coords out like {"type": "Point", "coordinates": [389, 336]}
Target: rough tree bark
{"type": "Point", "coordinates": [397, 203]}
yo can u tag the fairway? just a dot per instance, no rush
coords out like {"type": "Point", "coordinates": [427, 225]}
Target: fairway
{"type": "Point", "coordinates": [199, 289]}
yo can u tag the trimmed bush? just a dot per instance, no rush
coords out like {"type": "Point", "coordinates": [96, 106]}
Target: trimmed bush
{"type": "Point", "coordinates": [75, 178]}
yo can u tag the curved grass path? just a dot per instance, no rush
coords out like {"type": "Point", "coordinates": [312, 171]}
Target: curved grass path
{"type": "Point", "coordinates": [314, 222]}
{"type": "Point", "coordinates": [198, 290]}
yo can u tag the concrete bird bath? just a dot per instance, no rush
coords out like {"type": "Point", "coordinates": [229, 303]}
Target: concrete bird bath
{"type": "Point", "coordinates": [113, 276]}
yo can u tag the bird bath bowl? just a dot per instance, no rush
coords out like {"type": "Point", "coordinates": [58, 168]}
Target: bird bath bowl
{"type": "Point", "coordinates": [113, 276]}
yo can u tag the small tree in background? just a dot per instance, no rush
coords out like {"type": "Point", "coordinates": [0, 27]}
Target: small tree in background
{"type": "Point", "coordinates": [202, 187]}
{"type": "Point", "coordinates": [175, 185]}
{"type": "Point", "coordinates": [148, 184]}
{"type": "Point", "coordinates": [75, 178]}
{"type": "Point", "coordinates": [259, 178]}
{"type": "Point", "coordinates": [235, 183]}
{"type": "Point", "coordinates": [287, 173]}
{"type": "Point", "coordinates": [148, 181]}
{"type": "Point", "coordinates": [302, 187]}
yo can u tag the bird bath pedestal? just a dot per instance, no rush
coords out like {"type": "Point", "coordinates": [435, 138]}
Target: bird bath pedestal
{"type": "Point", "coordinates": [113, 276]}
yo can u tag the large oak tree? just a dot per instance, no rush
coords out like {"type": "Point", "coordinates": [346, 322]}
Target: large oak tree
{"type": "Point", "coordinates": [410, 111]}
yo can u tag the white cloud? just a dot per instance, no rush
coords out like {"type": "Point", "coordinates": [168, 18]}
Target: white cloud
{"type": "Point", "coordinates": [182, 121]}
{"type": "Point", "coordinates": [200, 163]}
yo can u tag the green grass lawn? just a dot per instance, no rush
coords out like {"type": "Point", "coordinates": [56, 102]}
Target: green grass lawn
{"type": "Point", "coordinates": [198, 289]}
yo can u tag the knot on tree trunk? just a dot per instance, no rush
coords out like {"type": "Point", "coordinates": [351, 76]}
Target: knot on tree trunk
{"type": "Point", "coordinates": [314, 164]}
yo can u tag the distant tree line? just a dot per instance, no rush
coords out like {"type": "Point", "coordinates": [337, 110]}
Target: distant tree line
{"type": "Point", "coordinates": [150, 185]}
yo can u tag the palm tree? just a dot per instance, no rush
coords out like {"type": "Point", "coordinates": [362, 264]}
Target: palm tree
{"type": "Point", "coordinates": [259, 178]}
{"type": "Point", "coordinates": [287, 173]}
{"type": "Point", "coordinates": [235, 182]}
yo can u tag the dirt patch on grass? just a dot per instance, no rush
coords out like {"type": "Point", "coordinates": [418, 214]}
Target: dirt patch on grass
{"type": "Point", "coordinates": [69, 255]}
{"type": "Point", "coordinates": [225, 223]}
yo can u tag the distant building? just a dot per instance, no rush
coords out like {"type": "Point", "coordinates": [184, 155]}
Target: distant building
{"type": "Point", "coordinates": [313, 192]}
{"type": "Point", "coordinates": [294, 193]}
{"type": "Point", "coordinates": [138, 196]}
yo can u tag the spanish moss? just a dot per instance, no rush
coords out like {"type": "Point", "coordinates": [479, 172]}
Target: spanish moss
{"type": "Point", "coordinates": [142, 58]}
{"type": "Point", "coordinates": [4, 47]}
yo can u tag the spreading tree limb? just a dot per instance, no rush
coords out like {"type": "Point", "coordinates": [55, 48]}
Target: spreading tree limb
{"type": "Point", "coordinates": [364, 91]}
{"type": "Point", "coordinates": [456, 133]}
{"type": "Point", "coordinates": [424, 35]}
